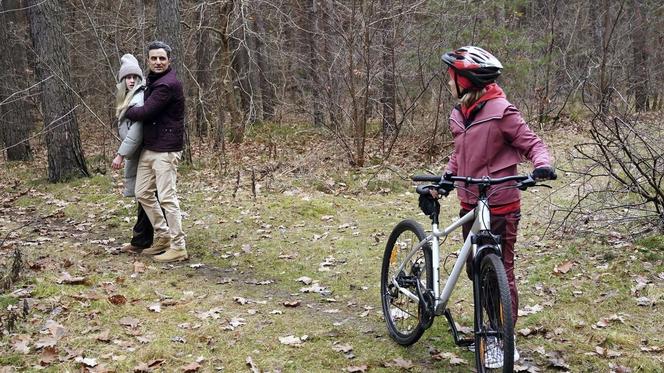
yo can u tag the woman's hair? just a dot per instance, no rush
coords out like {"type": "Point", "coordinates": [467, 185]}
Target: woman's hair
{"type": "Point", "coordinates": [123, 96]}
{"type": "Point", "coordinates": [471, 97]}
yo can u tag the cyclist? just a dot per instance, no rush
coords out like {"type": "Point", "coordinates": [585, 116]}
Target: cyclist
{"type": "Point", "coordinates": [490, 139]}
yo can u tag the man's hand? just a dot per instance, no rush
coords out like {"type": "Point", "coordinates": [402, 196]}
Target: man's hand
{"type": "Point", "coordinates": [117, 162]}
{"type": "Point", "coordinates": [544, 173]}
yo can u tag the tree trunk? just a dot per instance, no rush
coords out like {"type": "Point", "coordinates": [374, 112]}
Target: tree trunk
{"type": "Point", "coordinates": [65, 155]}
{"type": "Point", "coordinates": [243, 62]}
{"type": "Point", "coordinates": [389, 96]}
{"type": "Point", "coordinates": [640, 56]}
{"type": "Point", "coordinates": [310, 37]}
{"type": "Point", "coordinates": [15, 121]}
{"type": "Point", "coordinates": [139, 6]}
{"type": "Point", "coordinates": [264, 69]}
{"type": "Point", "coordinates": [168, 31]}
{"type": "Point", "coordinates": [203, 58]}
{"type": "Point", "coordinates": [228, 99]}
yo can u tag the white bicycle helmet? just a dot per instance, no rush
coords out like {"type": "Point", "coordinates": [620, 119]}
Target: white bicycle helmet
{"type": "Point", "coordinates": [475, 64]}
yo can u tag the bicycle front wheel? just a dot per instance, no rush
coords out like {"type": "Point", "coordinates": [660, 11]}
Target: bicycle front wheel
{"type": "Point", "coordinates": [494, 332]}
{"type": "Point", "coordinates": [403, 314]}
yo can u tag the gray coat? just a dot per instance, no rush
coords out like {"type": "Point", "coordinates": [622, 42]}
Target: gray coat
{"type": "Point", "coordinates": [131, 134]}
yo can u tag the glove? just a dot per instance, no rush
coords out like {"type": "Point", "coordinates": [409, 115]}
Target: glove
{"type": "Point", "coordinates": [448, 175]}
{"type": "Point", "coordinates": [544, 173]}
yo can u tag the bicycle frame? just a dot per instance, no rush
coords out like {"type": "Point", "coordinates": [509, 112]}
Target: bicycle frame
{"type": "Point", "coordinates": [482, 222]}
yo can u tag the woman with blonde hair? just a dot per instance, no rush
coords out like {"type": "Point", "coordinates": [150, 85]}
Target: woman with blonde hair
{"type": "Point", "coordinates": [130, 93]}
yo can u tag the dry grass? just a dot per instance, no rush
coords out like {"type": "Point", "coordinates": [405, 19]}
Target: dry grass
{"type": "Point", "coordinates": [228, 303]}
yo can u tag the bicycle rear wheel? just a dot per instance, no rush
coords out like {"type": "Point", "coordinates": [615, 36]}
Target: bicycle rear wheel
{"type": "Point", "coordinates": [494, 332]}
{"type": "Point", "coordinates": [404, 315]}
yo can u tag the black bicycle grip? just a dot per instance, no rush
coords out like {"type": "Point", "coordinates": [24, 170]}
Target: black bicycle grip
{"type": "Point", "coordinates": [429, 178]}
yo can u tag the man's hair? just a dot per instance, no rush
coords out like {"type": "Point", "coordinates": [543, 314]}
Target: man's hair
{"type": "Point", "coordinates": [160, 45]}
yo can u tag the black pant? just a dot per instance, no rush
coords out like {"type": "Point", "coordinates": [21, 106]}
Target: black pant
{"type": "Point", "coordinates": [143, 231]}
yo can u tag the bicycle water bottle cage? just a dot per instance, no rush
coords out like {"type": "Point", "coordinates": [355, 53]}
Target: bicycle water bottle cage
{"type": "Point", "coordinates": [486, 238]}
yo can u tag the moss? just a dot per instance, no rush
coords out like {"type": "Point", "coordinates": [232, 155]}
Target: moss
{"type": "Point", "coordinates": [655, 242]}
{"type": "Point", "coordinates": [7, 301]}
{"type": "Point", "coordinates": [45, 289]}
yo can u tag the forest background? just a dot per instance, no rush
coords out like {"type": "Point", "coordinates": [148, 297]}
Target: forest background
{"type": "Point", "coordinates": [335, 99]}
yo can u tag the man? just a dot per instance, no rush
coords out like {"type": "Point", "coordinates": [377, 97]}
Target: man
{"type": "Point", "coordinates": [162, 115]}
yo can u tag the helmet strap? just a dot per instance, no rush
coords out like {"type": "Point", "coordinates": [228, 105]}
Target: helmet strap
{"type": "Point", "coordinates": [460, 93]}
{"type": "Point", "coordinates": [456, 85]}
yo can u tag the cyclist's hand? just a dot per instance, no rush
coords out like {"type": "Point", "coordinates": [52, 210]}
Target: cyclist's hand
{"type": "Point", "coordinates": [544, 173]}
{"type": "Point", "coordinates": [433, 192]}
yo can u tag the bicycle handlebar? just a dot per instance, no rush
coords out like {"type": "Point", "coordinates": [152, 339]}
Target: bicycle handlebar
{"type": "Point", "coordinates": [488, 180]}
{"type": "Point", "coordinates": [523, 181]}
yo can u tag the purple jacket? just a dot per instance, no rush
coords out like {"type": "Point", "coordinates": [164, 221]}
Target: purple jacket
{"type": "Point", "coordinates": [492, 145]}
{"type": "Point", "coordinates": [162, 113]}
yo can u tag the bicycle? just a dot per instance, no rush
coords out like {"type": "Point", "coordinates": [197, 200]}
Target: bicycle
{"type": "Point", "coordinates": [410, 277]}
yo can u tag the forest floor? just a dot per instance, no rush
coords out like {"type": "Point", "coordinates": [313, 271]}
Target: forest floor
{"type": "Point", "coordinates": [284, 273]}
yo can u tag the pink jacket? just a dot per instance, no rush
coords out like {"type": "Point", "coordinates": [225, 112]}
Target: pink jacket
{"type": "Point", "coordinates": [492, 145]}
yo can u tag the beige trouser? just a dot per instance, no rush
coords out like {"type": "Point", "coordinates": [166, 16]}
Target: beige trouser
{"type": "Point", "coordinates": [157, 171]}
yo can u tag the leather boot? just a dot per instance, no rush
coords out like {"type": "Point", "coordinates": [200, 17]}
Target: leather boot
{"type": "Point", "coordinates": [172, 255]}
{"type": "Point", "coordinates": [160, 245]}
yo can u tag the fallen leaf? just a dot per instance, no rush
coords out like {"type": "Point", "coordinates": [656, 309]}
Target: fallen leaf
{"type": "Point", "coordinates": [463, 329]}
{"type": "Point", "coordinates": [48, 356]}
{"type": "Point", "coordinates": [87, 361]}
{"type": "Point", "coordinates": [139, 267]}
{"type": "Point", "coordinates": [192, 367]}
{"type": "Point", "coordinates": [399, 363]}
{"type": "Point", "coordinates": [644, 301]}
{"type": "Point", "coordinates": [619, 368]}
{"type": "Point", "coordinates": [251, 365]}
{"type": "Point", "coordinates": [345, 348]}
{"type": "Point", "coordinates": [563, 267]}
{"type": "Point", "coordinates": [142, 368]}
{"type": "Point", "coordinates": [314, 288]}
{"type": "Point", "coordinates": [305, 280]}
{"type": "Point", "coordinates": [57, 330]}
{"type": "Point", "coordinates": [529, 310]}
{"type": "Point", "coordinates": [235, 322]}
{"type": "Point", "coordinates": [178, 339]}
{"type": "Point", "coordinates": [46, 342]}
{"type": "Point", "coordinates": [100, 369]}
{"type": "Point", "coordinates": [556, 360]}
{"type": "Point", "coordinates": [213, 314]}
{"type": "Point", "coordinates": [67, 279]}
{"type": "Point", "coordinates": [651, 349]}
{"type": "Point", "coordinates": [129, 321]}
{"type": "Point", "coordinates": [104, 336]}
{"type": "Point", "coordinates": [525, 332]}
{"type": "Point", "coordinates": [145, 339]}
{"type": "Point", "coordinates": [240, 300]}
{"type": "Point", "coordinates": [21, 343]}
{"type": "Point", "coordinates": [292, 304]}
{"type": "Point", "coordinates": [155, 307]}
{"type": "Point", "coordinates": [291, 340]}
{"type": "Point", "coordinates": [155, 363]}
{"type": "Point", "coordinates": [117, 299]}
{"type": "Point", "coordinates": [457, 361]}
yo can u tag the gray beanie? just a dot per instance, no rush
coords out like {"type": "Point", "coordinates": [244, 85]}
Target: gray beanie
{"type": "Point", "coordinates": [129, 65]}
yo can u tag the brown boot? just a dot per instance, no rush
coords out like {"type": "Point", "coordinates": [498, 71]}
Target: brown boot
{"type": "Point", "coordinates": [160, 245]}
{"type": "Point", "coordinates": [131, 249]}
{"type": "Point", "coordinates": [172, 255]}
